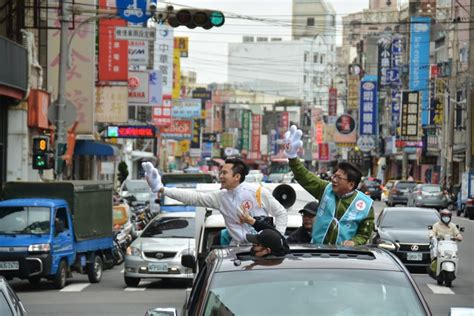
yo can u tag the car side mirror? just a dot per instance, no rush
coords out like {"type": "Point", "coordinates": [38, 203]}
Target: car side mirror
{"type": "Point", "coordinates": [189, 261]}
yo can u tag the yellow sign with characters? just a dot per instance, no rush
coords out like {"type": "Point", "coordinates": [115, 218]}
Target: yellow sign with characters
{"type": "Point", "coordinates": [181, 44]}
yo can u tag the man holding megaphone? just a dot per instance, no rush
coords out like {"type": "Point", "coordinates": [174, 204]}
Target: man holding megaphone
{"type": "Point", "coordinates": [345, 215]}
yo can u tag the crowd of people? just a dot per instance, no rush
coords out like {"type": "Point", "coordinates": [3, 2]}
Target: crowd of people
{"type": "Point", "coordinates": [339, 215]}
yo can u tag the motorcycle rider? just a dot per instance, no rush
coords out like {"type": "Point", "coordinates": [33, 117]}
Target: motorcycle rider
{"type": "Point", "coordinates": [441, 228]}
{"type": "Point", "coordinates": [445, 227]}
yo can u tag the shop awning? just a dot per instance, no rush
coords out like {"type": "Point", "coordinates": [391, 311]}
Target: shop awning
{"type": "Point", "coordinates": [89, 147]}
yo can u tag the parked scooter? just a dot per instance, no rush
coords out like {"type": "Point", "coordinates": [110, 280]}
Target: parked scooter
{"type": "Point", "coordinates": [444, 250]}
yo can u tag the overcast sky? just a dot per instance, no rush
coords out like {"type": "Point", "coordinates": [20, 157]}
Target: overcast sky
{"type": "Point", "coordinates": [208, 48]}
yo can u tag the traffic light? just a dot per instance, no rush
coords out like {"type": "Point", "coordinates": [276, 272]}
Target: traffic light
{"type": "Point", "coordinates": [192, 18]}
{"type": "Point", "coordinates": [41, 154]}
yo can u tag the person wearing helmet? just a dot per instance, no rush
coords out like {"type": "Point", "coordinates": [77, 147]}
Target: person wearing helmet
{"type": "Point", "coordinates": [445, 227]}
{"type": "Point", "coordinates": [304, 233]}
{"type": "Point", "coordinates": [441, 228]}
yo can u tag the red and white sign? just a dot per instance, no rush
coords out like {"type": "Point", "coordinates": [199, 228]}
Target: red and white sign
{"type": "Point", "coordinates": [285, 120]}
{"type": "Point", "coordinates": [138, 87]}
{"type": "Point", "coordinates": [319, 133]}
{"type": "Point", "coordinates": [162, 113]}
{"type": "Point", "coordinates": [324, 152]}
{"type": "Point", "coordinates": [332, 108]}
{"type": "Point", "coordinates": [113, 54]}
{"type": "Point", "coordinates": [179, 129]}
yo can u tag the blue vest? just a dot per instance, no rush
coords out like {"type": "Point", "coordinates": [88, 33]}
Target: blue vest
{"type": "Point", "coordinates": [349, 222]}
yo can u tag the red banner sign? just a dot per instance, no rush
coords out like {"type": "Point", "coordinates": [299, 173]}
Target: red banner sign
{"type": "Point", "coordinates": [113, 54]}
{"type": "Point", "coordinates": [324, 152]}
{"type": "Point", "coordinates": [256, 132]}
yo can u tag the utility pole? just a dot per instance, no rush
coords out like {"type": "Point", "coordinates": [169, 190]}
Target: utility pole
{"type": "Point", "coordinates": [61, 102]}
{"type": "Point", "coordinates": [469, 92]}
{"type": "Point", "coordinates": [452, 104]}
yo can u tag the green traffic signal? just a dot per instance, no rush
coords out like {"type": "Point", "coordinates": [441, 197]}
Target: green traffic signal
{"type": "Point", "coordinates": [193, 18]}
{"type": "Point", "coordinates": [217, 18]}
{"type": "Point", "coordinates": [40, 161]}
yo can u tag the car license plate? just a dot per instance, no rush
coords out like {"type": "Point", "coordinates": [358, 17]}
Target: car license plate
{"type": "Point", "coordinates": [414, 256]}
{"type": "Point", "coordinates": [9, 265]}
{"type": "Point", "coordinates": [158, 267]}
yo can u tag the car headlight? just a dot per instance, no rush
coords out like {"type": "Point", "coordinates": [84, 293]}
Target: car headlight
{"type": "Point", "coordinates": [386, 244]}
{"type": "Point", "coordinates": [133, 251]}
{"type": "Point", "coordinates": [39, 248]}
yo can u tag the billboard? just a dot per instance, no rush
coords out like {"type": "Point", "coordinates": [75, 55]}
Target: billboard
{"type": "Point", "coordinates": [112, 104]}
{"type": "Point", "coordinates": [409, 129]}
{"type": "Point", "coordinates": [420, 61]}
{"type": "Point", "coordinates": [368, 106]}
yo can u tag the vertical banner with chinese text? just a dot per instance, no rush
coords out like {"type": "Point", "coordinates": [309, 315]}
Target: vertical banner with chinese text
{"type": "Point", "coordinates": [368, 106]}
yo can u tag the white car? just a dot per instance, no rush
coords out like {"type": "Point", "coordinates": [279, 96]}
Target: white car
{"type": "Point", "coordinates": [156, 253]}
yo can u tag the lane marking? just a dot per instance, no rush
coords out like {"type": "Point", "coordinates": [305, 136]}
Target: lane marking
{"type": "Point", "coordinates": [440, 289]}
{"type": "Point", "coordinates": [134, 289]}
{"type": "Point", "coordinates": [143, 285]}
{"type": "Point", "coordinates": [75, 287]}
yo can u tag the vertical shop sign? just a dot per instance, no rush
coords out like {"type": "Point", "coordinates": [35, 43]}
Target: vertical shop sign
{"type": "Point", "coordinates": [163, 59]}
{"type": "Point", "coordinates": [420, 61]}
{"type": "Point", "coordinates": [332, 102]}
{"type": "Point", "coordinates": [410, 116]}
{"type": "Point", "coordinates": [245, 137]}
{"type": "Point", "coordinates": [368, 109]}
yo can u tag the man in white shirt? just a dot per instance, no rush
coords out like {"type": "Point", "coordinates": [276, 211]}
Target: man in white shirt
{"type": "Point", "coordinates": [235, 195]}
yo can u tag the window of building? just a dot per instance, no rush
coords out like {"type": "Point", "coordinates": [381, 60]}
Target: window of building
{"type": "Point", "coordinates": [305, 56]}
{"type": "Point", "coordinates": [315, 58]}
{"type": "Point", "coordinates": [322, 58]}
{"type": "Point", "coordinates": [310, 22]}
{"type": "Point", "coordinates": [304, 79]}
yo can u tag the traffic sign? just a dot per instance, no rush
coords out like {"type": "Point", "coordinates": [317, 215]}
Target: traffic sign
{"type": "Point", "coordinates": [134, 11]}
{"type": "Point", "coordinates": [69, 113]}
{"type": "Point", "coordinates": [135, 33]}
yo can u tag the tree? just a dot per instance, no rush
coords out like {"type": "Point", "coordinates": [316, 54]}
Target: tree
{"type": "Point", "coordinates": [123, 172]}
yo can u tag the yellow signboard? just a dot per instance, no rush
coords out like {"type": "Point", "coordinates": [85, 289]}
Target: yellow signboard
{"type": "Point", "coordinates": [181, 44]}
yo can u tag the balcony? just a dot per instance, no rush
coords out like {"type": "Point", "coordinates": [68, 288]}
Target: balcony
{"type": "Point", "coordinates": [13, 65]}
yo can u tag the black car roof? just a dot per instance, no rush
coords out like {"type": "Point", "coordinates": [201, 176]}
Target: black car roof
{"type": "Point", "coordinates": [308, 256]}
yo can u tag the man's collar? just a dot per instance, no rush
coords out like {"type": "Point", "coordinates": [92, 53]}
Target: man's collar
{"type": "Point", "coordinates": [346, 195]}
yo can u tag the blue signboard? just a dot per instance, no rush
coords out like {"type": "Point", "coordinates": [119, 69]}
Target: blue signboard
{"type": "Point", "coordinates": [134, 11]}
{"type": "Point", "coordinates": [368, 106]}
{"type": "Point", "coordinates": [420, 61]}
{"type": "Point", "coordinates": [186, 108]}
{"type": "Point", "coordinates": [397, 57]}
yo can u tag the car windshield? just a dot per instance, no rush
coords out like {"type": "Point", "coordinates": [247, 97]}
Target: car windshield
{"type": "Point", "coordinates": [302, 292]}
{"type": "Point", "coordinates": [431, 188]}
{"type": "Point", "coordinates": [405, 185]}
{"type": "Point", "coordinates": [24, 220]}
{"type": "Point", "coordinates": [171, 227]}
{"type": "Point", "coordinates": [409, 219]}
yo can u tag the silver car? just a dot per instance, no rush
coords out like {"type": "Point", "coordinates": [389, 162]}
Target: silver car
{"type": "Point", "coordinates": [156, 254]}
{"type": "Point", "coordinates": [428, 195]}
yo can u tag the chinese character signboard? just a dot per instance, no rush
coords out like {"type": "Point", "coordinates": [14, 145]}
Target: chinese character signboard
{"type": "Point", "coordinates": [353, 83]}
{"type": "Point", "coordinates": [129, 131]}
{"type": "Point", "coordinates": [324, 152]}
{"type": "Point", "coordinates": [245, 137]}
{"type": "Point", "coordinates": [163, 59]}
{"type": "Point", "coordinates": [384, 63]}
{"type": "Point", "coordinates": [396, 99]}
{"type": "Point", "coordinates": [162, 113]}
{"type": "Point", "coordinates": [155, 91]}
{"type": "Point", "coordinates": [181, 44]}
{"type": "Point", "coordinates": [176, 74]}
{"type": "Point", "coordinates": [420, 61]}
{"type": "Point", "coordinates": [332, 103]}
{"type": "Point", "coordinates": [256, 132]}
{"type": "Point", "coordinates": [179, 129]}
{"type": "Point", "coordinates": [186, 108]}
{"type": "Point", "coordinates": [113, 63]}
{"type": "Point", "coordinates": [129, 33]}
{"type": "Point", "coordinates": [397, 58]}
{"type": "Point", "coordinates": [196, 139]}
{"type": "Point", "coordinates": [80, 77]}
{"type": "Point", "coordinates": [368, 106]}
{"type": "Point", "coordinates": [439, 102]}
{"type": "Point", "coordinates": [409, 129]}
{"type": "Point", "coordinates": [112, 104]}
